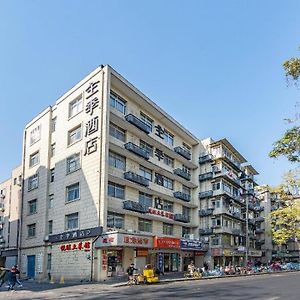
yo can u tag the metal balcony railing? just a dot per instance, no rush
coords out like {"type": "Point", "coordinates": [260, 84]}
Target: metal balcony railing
{"type": "Point", "coordinates": [205, 158]}
{"type": "Point", "coordinates": [181, 218]}
{"type": "Point", "coordinates": [135, 206]}
{"type": "Point", "coordinates": [182, 196]}
{"type": "Point", "coordinates": [206, 176]}
{"type": "Point", "coordinates": [206, 194]}
{"type": "Point", "coordinates": [236, 231]}
{"type": "Point", "coordinates": [138, 123]}
{"type": "Point", "coordinates": [182, 173]}
{"type": "Point", "coordinates": [136, 178]}
{"type": "Point", "coordinates": [137, 150]}
{"type": "Point", "coordinates": [206, 212]}
{"type": "Point", "coordinates": [184, 153]}
{"type": "Point", "coordinates": [205, 231]}
{"type": "Point", "coordinates": [259, 230]}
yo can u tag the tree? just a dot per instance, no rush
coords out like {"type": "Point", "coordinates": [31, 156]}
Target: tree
{"type": "Point", "coordinates": [289, 144]}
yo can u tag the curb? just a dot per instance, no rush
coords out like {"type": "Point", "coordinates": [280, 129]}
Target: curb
{"type": "Point", "coordinates": [165, 281]}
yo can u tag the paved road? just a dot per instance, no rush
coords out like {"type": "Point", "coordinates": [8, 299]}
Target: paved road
{"type": "Point", "coordinates": [265, 287]}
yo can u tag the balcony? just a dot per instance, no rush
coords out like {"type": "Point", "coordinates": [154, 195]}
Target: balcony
{"type": "Point", "coordinates": [259, 219]}
{"type": "Point", "coordinates": [184, 153]}
{"type": "Point", "coordinates": [182, 173]}
{"type": "Point", "coordinates": [181, 218]}
{"type": "Point", "coordinates": [137, 150]}
{"type": "Point", "coordinates": [206, 194]}
{"type": "Point", "coordinates": [236, 231]}
{"type": "Point", "coordinates": [205, 231]}
{"type": "Point", "coordinates": [206, 212]}
{"type": "Point", "coordinates": [138, 123]}
{"type": "Point", "coordinates": [259, 208]}
{"type": "Point", "coordinates": [131, 176]}
{"type": "Point", "coordinates": [259, 230]}
{"type": "Point", "coordinates": [135, 206]}
{"type": "Point", "coordinates": [206, 176]}
{"type": "Point", "coordinates": [205, 158]}
{"type": "Point", "coordinates": [182, 196]}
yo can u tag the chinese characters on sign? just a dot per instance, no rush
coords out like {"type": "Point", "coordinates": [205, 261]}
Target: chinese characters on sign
{"type": "Point", "coordinates": [161, 213]}
{"type": "Point", "coordinates": [86, 246]}
{"type": "Point", "coordinates": [135, 240]}
{"type": "Point", "coordinates": [92, 125]}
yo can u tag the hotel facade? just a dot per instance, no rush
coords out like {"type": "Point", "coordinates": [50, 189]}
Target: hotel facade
{"type": "Point", "coordinates": [111, 179]}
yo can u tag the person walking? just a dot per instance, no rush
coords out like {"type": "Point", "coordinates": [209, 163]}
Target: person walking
{"type": "Point", "coordinates": [3, 275]}
{"type": "Point", "coordinates": [12, 278]}
{"type": "Point", "coordinates": [18, 277]}
{"type": "Point", "coordinates": [130, 271]}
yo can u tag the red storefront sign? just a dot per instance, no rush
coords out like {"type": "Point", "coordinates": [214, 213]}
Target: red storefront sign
{"type": "Point", "coordinates": [141, 252]}
{"type": "Point", "coordinates": [161, 213]}
{"type": "Point", "coordinates": [166, 243]}
{"type": "Point", "coordinates": [136, 240]}
{"type": "Point", "coordinates": [86, 246]}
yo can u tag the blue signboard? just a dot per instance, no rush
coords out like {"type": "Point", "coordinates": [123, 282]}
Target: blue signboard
{"type": "Point", "coordinates": [191, 245]}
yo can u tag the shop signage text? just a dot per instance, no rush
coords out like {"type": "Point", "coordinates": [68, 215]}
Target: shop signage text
{"type": "Point", "coordinates": [166, 243]}
{"type": "Point", "coordinates": [161, 213]}
{"type": "Point", "coordinates": [86, 246]}
{"type": "Point", "coordinates": [191, 245]}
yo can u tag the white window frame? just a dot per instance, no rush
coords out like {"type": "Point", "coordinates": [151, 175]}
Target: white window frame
{"type": "Point", "coordinates": [30, 203]}
{"type": "Point", "coordinates": [168, 137]}
{"type": "Point", "coordinates": [116, 160]}
{"type": "Point", "coordinates": [33, 182]}
{"type": "Point", "coordinates": [74, 159]}
{"type": "Point", "coordinates": [147, 120]}
{"type": "Point", "coordinates": [67, 221]}
{"type": "Point", "coordinates": [34, 159]}
{"type": "Point", "coordinates": [35, 135]}
{"type": "Point", "coordinates": [76, 106]}
{"type": "Point", "coordinates": [74, 132]}
{"type": "Point", "coordinates": [29, 229]}
{"type": "Point", "coordinates": [116, 101]}
{"type": "Point", "coordinates": [115, 131]}
{"type": "Point", "coordinates": [72, 188]}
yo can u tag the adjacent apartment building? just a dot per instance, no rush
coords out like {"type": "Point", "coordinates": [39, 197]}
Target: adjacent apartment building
{"type": "Point", "coordinates": [111, 179]}
{"type": "Point", "coordinates": [10, 213]}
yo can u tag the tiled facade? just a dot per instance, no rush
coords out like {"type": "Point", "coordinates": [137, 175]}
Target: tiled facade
{"type": "Point", "coordinates": [10, 200]}
{"type": "Point", "coordinates": [110, 179]}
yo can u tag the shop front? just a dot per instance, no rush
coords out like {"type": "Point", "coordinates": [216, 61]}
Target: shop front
{"type": "Point", "coordinates": [226, 257]}
{"type": "Point", "coordinates": [117, 250]}
{"type": "Point", "coordinates": [166, 254]}
{"type": "Point", "coordinates": [192, 250]}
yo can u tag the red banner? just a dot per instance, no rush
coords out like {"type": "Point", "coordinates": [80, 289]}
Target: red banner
{"type": "Point", "coordinates": [166, 243]}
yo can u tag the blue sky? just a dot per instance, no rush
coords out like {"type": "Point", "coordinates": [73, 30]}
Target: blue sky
{"type": "Point", "coordinates": [215, 66]}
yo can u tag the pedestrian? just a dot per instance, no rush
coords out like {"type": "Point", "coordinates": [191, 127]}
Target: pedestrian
{"type": "Point", "coordinates": [18, 276]}
{"type": "Point", "coordinates": [12, 278]}
{"type": "Point", "coordinates": [3, 275]}
{"type": "Point", "coordinates": [130, 271]}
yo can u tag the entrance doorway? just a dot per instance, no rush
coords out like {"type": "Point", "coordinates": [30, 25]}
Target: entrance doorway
{"type": "Point", "coordinates": [31, 266]}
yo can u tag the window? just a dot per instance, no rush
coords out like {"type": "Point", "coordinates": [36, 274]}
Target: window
{"type": "Point", "coordinates": [117, 132]}
{"type": "Point", "coordinates": [34, 159]}
{"type": "Point", "coordinates": [186, 147]}
{"type": "Point", "coordinates": [169, 161]}
{"type": "Point", "coordinates": [74, 135]}
{"type": "Point", "coordinates": [117, 103]}
{"type": "Point", "coordinates": [52, 174]}
{"type": "Point", "coordinates": [147, 120]}
{"type": "Point", "coordinates": [73, 192]}
{"type": "Point", "coordinates": [145, 199]}
{"type": "Point", "coordinates": [50, 227]}
{"type": "Point", "coordinates": [147, 147]}
{"type": "Point", "coordinates": [146, 173]}
{"type": "Point", "coordinates": [164, 181]}
{"type": "Point", "coordinates": [31, 230]}
{"type": "Point", "coordinates": [73, 163]}
{"type": "Point", "coordinates": [168, 137]}
{"type": "Point", "coordinates": [32, 207]}
{"type": "Point", "coordinates": [35, 135]}
{"type": "Point", "coordinates": [76, 106]}
{"type": "Point", "coordinates": [50, 201]}
{"type": "Point", "coordinates": [117, 161]}
{"type": "Point", "coordinates": [186, 211]}
{"type": "Point", "coordinates": [49, 261]}
{"type": "Point", "coordinates": [186, 190]}
{"type": "Point", "coordinates": [145, 225]}
{"type": "Point", "coordinates": [15, 181]}
{"type": "Point", "coordinates": [215, 241]}
{"type": "Point", "coordinates": [53, 124]}
{"type": "Point", "coordinates": [216, 186]}
{"type": "Point", "coordinates": [168, 206]}
{"type": "Point", "coordinates": [167, 229]}
{"type": "Point", "coordinates": [72, 221]}
{"type": "Point", "coordinates": [115, 220]}
{"type": "Point", "coordinates": [226, 187]}
{"type": "Point", "coordinates": [52, 150]}
{"type": "Point", "coordinates": [33, 182]}
{"type": "Point", "coordinates": [186, 231]}
{"type": "Point", "coordinates": [116, 190]}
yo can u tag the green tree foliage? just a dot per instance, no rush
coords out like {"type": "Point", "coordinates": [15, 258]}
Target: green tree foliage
{"type": "Point", "coordinates": [289, 145]}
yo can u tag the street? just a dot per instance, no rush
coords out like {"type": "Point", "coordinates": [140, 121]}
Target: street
{"type": "Point", "coordinates": [262, 287]}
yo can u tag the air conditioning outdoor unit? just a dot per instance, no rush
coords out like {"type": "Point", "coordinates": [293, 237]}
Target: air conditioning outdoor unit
{"type": "Point", "coordinates": [189, 236]}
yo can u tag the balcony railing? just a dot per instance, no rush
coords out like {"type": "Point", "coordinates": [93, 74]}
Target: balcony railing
{"type": "Point", "coordinates": [136, 178]}
{"type": "Point", "coordinates": [206, 212]}
{"type": "Point", "coordinates": [137, 150]}
{"type": "Point", "coordinates": [182, 173]}
{"type": "Point", "coordinates": [182, 196]}
{"type": "Point", "coordinates": [181, 218]}
{"type": "Point", "coordinates": [184, 153]}
{"type": "Point", "coordinates": [138, 123]}
{"type": "Point", "coordinates": [205, 231]}
{"type": "Point", "coordinates": [206, 176]}
{"type": "Point", "coordinates": [206, 194]}
{"type": "Point", "coordinates": [236, 231]}
{"type": "Point", "coordinates": [135, 206]}
{"type": "Point", "coordinates": [259, 208]}
{"type": "Point", "coordinates": [205, 158]}
{"type": "Point", "coordinates": [259, 230]}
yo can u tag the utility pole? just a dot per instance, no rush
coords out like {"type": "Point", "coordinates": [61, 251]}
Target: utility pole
{"type": "Point", "coordinates": [247, 228]}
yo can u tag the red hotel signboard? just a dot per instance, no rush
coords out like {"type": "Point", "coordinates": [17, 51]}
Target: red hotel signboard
{"type": "Point", "coordinates": [166, 243]}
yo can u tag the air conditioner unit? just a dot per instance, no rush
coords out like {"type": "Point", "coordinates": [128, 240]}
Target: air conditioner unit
{"type": "Point", "coordinates": [189, 236]}
{"type": "Point", "coordinates": [46, 238]}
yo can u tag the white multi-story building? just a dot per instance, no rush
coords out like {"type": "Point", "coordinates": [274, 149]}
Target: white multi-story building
{"type": "Point", "coordinates": [10, 199]}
